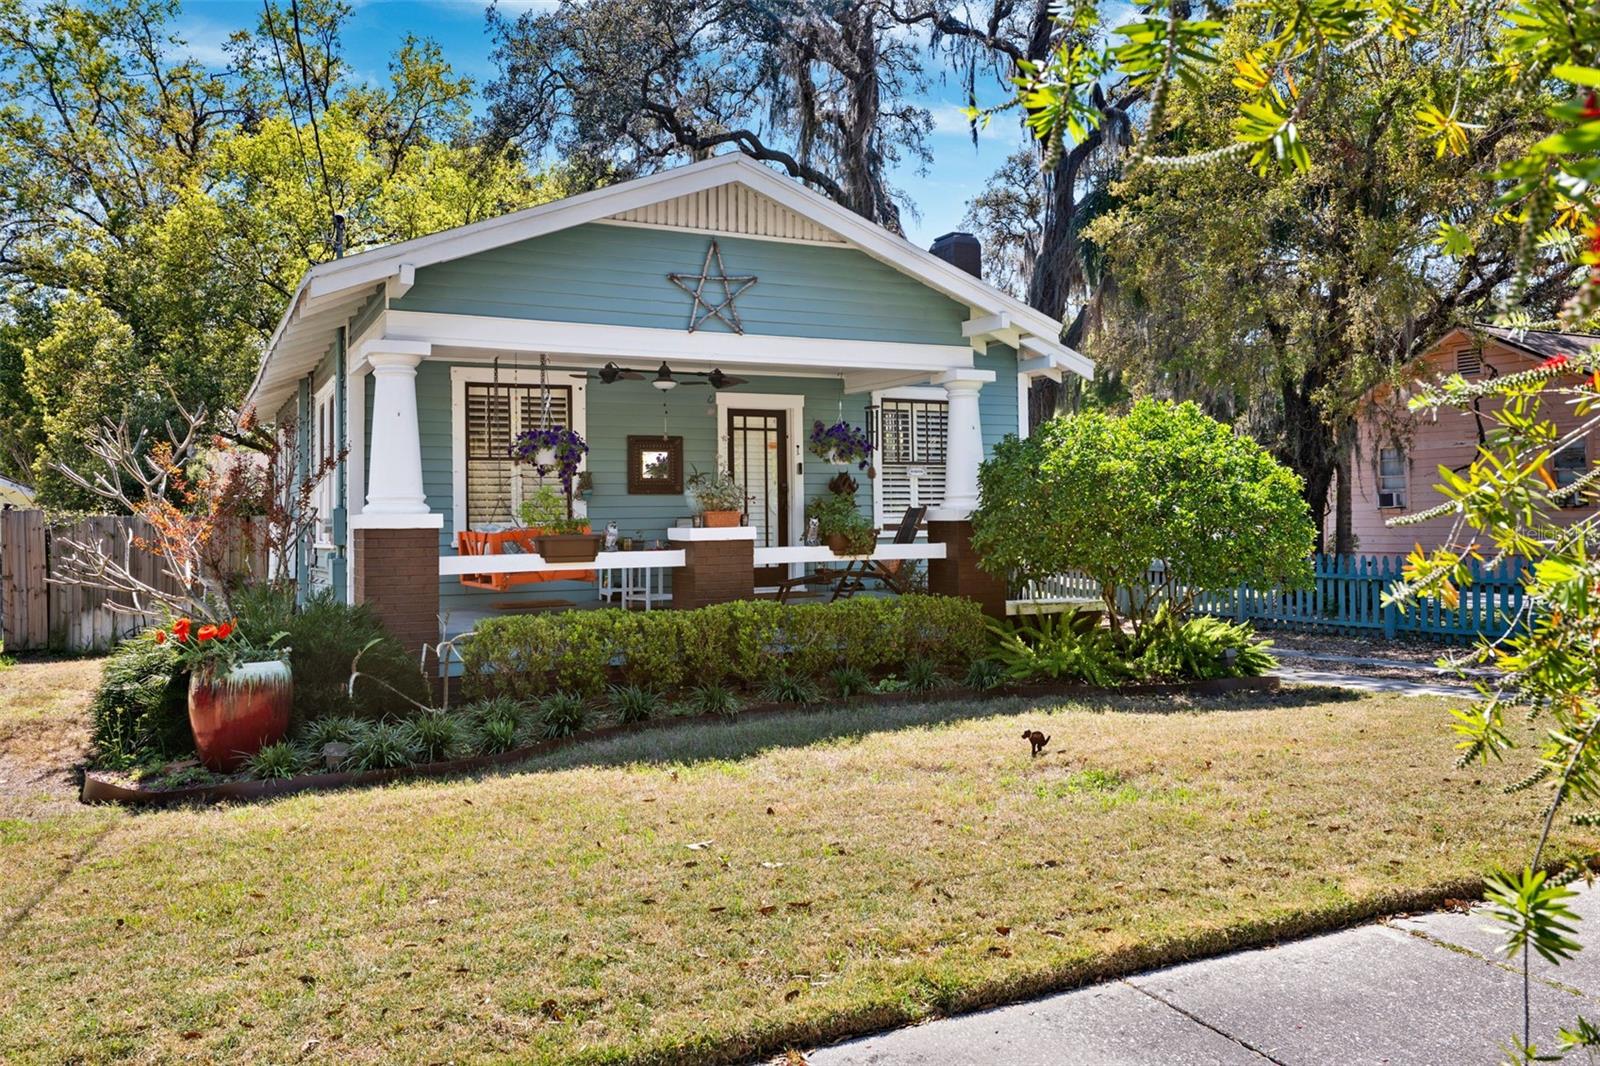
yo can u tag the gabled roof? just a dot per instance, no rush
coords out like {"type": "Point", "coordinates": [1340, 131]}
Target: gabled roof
{"type": "Point", "coordinates": [1540, 343]}
{"type": "Point", "coordinates": [330, 293]}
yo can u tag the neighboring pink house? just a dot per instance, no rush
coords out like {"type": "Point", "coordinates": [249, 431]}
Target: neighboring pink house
{"type": "Point", "coordinates": [1399, 453]}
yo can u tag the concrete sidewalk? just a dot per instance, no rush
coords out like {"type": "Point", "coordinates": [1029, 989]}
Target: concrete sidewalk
{"type": "Point", "coordinates": [1424, 991]}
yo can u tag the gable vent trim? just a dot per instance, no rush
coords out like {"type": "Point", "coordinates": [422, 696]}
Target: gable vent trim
{"type": "Point", "coordinates": [733, 209]}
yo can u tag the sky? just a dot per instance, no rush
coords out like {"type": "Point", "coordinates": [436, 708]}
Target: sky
{"type": "Point", "coordinates": [376, 27]}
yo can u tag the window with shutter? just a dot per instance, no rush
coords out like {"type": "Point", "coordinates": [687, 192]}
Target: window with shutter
{"type": "Point", "coordinates": [496, 486]}
{"type": "Point", "coordinates": [911, 450]}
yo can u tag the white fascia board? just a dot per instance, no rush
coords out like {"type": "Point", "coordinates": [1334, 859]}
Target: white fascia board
{"type": "Point", "coordinates": [624, 343]}
{"type": "Point", "coordinates": [879, 381]}
{"type": "Point", "coordinates": [1063, 357]}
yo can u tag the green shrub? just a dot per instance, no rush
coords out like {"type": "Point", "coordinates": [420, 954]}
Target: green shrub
{"type": "Point", "coordinates": [1062, 650]}
{"type": "Point", "coordinates": [849, 680]}
{"type": "Point", "coordinates": [948, 631]}
{"type": "Point", "coordinates": [985, 675]}
{"type": "Point", "coordinates": [562, 714]}
{"type": "Point", "coordinates": [922, 675]}
{"type": "Point", "coordinates": [505, 708]}
{"type": "Point", "coordinates": [382, 746]}
{"type": "Point", "coordinates": [324, 635]}
{"type": "Point", "coordinates": [788, 688]}
{"type": "Point", "coordinates": [585, 650]}
{"type": "Point", "coordinates": [635, 703]}
{"type": "Point", "coordinates": [1199, 649]}
{"type": "Point", "coordinates": [276, 761]}
{"type": "Point", "coordinates": [140, 711]}
{"type": "Point", "coordinates": [334, 729]}
{"type": "Point", "coordinates": [441, 736]}
{"type": "Point", "coordinates": [495, 735]}
{"type": "Point", "coordinates": [714, 699]}
{"type": "Point", "coordinates": [650, 646]}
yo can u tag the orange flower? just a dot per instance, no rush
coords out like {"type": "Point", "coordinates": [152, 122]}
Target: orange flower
{"type": "Point", "coordinates": [205, 633]}
{"type": "Point", "coordinates": [225, 630]}
{"type": "Point", "coordinates": [180, 628]}
{"type": "Point", "coordinates": [161, 636]}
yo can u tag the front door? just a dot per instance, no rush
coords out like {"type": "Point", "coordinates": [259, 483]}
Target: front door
{"type": "Point", "coordinates": [758, 446]}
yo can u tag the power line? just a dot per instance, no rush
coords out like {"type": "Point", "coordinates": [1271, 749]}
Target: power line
{"type": "Point", "coordinates": [311, 113]}
{"type": "Point", "coordinates": [288, 97]}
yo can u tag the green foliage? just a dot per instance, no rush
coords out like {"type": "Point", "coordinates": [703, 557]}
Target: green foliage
{"type": "Point", "coordinates": [382, 746]}
{"type": "Point", "coordinates": [985, 675]}
{"type": "Point", "coordinates": [837, 515]}
{"type": "Point", "coordinates": [496, 735]}
{"type": "Point", "coordinates": [1199, 649]}
{"type": "Point", "coordinates": [849, 680]}
{"type": "Point", "coordinates": [788, 688]}
{"type": "Point", "coordinates": [1536, 912]}
{"type": "Point", "coordinates": [140, 712]}
{"type": "Point", "coordinates": [561, 714]}
{"type": "Point", "coordinates": [1108, 496]}
{"type": "Point", "coordinates": [441, 736]}
{"type": "Point", "coordinates": [922, 675]}
{"type": "Point", "coordinates": [712, 698]}
{"type": "Point", "coordinates": [323, 636]}
{"type": "Point", "coordinates": [276, 762]}
{"type": "Point", "coordinates": [334, 729]}
{"type": "Point", "coordinates": [502, 708]}
{"type": "Point", "coordinates": [635, 703]}
{"type": "Point", "coordinates": [546, 511]}
{"type": "Point", "coordinates": [1061, 650]}
{"type": "Point", "coordinates": [746, 642]}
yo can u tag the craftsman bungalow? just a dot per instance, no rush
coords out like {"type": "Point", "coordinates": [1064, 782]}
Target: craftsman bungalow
{"type": "Point", "coordinates": [700, 318]}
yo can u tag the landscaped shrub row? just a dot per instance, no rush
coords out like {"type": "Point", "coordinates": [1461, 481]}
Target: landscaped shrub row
{"type": "Point", "coordinates": [751, 644]}
{"type": "Point", "coordinates": [1076, 647]}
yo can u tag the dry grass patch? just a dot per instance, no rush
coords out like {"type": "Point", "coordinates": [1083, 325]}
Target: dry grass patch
{"type": "Point", "coordinates": [714, 893]}
{"type": "Point", "coordinates": [44, 727]}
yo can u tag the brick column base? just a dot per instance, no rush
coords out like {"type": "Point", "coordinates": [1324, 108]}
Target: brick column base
{"type": "Point", "coordinates": [714, 571]}
{"type": "Point", "coordinates": [397, 574]}
{"type": "Point", "coordinates": [957, 574]}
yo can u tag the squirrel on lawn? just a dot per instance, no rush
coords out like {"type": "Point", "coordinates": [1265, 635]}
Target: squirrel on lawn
{"type": "Point", "coordinates": [1037, 739]}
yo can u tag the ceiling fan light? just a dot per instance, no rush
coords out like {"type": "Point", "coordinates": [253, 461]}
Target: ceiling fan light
{"type": "Point", "coordinates": [663, 379]}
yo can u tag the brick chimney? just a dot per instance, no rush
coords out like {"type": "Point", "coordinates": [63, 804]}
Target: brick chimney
{"type": "Point", "coordinates": [962, 250]}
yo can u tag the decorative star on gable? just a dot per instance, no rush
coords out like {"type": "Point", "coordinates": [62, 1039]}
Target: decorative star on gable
{"type": "Point", "coordinates": [708, 306]}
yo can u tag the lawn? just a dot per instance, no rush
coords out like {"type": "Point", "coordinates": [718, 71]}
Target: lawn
{"type": "Point", "coordinates": [44, 732]}
{"type": "Point", "coordinates": [710, 894]}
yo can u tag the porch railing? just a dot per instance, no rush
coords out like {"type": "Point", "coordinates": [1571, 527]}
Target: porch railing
{"type": "Point", "coordinates": [1346, 597]}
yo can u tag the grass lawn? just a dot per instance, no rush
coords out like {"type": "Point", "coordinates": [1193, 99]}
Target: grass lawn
{"type": "Point", "coordinates": [44, 732]}
{"type": "Point", "coordinates": [715, 893]}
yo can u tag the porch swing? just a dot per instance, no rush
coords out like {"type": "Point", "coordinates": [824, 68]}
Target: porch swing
{"type": "Point", "coordinates": [522, 540]}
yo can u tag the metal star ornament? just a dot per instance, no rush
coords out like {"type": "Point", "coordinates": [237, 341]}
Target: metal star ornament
{"type": "Point", "coordinates": [703, 309]}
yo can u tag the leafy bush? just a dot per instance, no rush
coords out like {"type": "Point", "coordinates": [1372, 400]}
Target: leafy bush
{"type": "Point", "coordinates": [324, 636]}
{"type": "Point", "coordinates": [985, 675]}
{"type": "Point", "coordinates": [849, 680]}
{"type": "Point", "coordinates": [562, 714]}
{"type": "Point", "coordinates": [497, 734]}
{"type": "Point", "coordinates": [714, 699]}
{"type": "Point", "coordinates": [276, 761]}
{"type": "Point", "coordinates": [787, 688]}
{"type": "Point", "coordinates": [334, 729]}
{"type": "Point", "coordinates": [1061, 650]}
{"type": "Point", "coordinates": [1201, 648]}
{"type": "Point", "coordinates": [922, 675]}
{"type": "Point", "coordinates": [504, 708]}
{"type": "Point", "coordinates": [1109, 496]}
{"type": "Point", "coordinates": [635, 703]}
{"type": "Point", "coordinates": [140, 711]}
{"type": "Point", "coordinates": [382, 746]}
{"type": "Point", "coordinates": [441, 736]}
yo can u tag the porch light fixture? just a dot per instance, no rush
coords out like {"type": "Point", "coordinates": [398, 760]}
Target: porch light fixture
{"type": "Point", "coordinates": [664, 379]}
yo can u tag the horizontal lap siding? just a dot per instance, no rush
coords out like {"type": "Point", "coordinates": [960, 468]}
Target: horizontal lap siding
{"type": "Point", "coordinates": [617, 275]}
{"type": "Point", "coordinates": [997, 403]}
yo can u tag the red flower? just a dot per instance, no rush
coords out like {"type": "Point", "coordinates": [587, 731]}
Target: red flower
{"type": "Point", "coordinates": [180, 628]}
{"type": "Point", "coordinates": [225, 630]}
{"type": "Point", "coordinates": [1591, 105]}
{"type": "Point", "coordinates": [1555, 362]}
{"type": "Point", "coordinates": [161, 636]}
{"type": "Point", "coordinates": [206, 633]}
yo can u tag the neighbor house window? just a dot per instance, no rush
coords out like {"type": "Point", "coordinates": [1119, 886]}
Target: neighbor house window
{"type": "Point", "coordinates": [495, 413]}
{"type": "Point", "coordinates": [910, 460]}
{"type": "Point", "coordinates": [1391, 478]}
{"type": "Point", "coordinates": [1571, 463]}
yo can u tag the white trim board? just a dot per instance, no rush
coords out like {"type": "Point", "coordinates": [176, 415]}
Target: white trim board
{"type": "Point", "coordinates": [484, 375]}
{"type": "Point", "coordinates": [793, 405]}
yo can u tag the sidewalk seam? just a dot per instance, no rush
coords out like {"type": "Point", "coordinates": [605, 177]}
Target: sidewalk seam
{"type": "Point", "coordinates": [1205, 1024]}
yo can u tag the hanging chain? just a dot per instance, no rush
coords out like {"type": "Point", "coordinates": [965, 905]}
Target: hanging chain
{"type": "Point", "coordinates": [544, 390]}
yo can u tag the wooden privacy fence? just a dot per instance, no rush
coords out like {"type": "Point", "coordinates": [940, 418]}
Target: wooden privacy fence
{"type": "Point", "coordinates": [37, 613]}
{"type": "Point", "coordinates": [1346, 596]}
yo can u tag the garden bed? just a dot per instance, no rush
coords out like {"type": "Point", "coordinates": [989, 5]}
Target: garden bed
{"type": "Point", "coordinates": [101, 787]}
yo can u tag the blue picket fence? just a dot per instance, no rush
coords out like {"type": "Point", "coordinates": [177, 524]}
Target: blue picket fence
{"type": "Point", "coordinates": [1346, 596]}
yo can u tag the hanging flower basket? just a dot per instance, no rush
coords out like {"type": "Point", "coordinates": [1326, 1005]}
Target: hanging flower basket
{"type": "Point", "coordinates": [555, 450]}
{"type": "Point", "coordinates": [842, 445]}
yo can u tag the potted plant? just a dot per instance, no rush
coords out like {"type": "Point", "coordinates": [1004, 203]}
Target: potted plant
{"type": "Point", "coordinates": [842, 444]}
{"type": "Point", "coordinates": [561, 538]}
{"type": "Point", "coordinates": [719, 499]}
{"type": "Point", "coordinates": [240, 693]}
{"type": "Point", "coordinates": [844, 529]}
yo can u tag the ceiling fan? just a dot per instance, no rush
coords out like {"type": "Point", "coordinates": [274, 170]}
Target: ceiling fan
{"type": "Point", "coordinates": [665, 378]}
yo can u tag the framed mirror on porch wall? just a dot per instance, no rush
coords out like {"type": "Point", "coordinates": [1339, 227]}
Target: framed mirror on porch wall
{"type": "Point", "coordinates": [758, 443]}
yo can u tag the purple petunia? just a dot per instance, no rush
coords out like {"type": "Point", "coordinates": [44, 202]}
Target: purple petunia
{"type": "Point", "coordinates": [842, 443]}
{"type": "Point", "coordinates": [568, 447]}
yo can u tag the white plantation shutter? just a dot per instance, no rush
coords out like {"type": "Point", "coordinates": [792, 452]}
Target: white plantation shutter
{"type": "Point", "coordinates": [495, 415]}
{"type": "Point", "coordinates": [911, 443]}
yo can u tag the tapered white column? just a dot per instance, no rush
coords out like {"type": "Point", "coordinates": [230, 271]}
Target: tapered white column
{"type": "Point", "coordinates": [963, 442]}
{"type": "Point", "coordinates": [394, 485]}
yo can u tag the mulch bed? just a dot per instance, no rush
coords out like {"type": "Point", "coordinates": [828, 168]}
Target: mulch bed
{"type": "Point", "coordinates": [100, 788]}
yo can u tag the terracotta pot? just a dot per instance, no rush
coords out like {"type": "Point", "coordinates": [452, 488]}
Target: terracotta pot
{"type": "Point", "coordinates": [721, 519]}
{"type": "Point", "coordinates": [838, 543]}
{"type": "Point", "coordinates": [235, 715]}
{"type": "Point", "coordinates": [569, 547]}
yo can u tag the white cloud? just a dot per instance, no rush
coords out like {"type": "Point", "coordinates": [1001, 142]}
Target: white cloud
{"type": "Point", "coordinates": [951, 120]}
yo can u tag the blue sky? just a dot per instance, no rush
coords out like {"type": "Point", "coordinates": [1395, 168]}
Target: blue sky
{"type": "Point", "coordinates": [376, 27]}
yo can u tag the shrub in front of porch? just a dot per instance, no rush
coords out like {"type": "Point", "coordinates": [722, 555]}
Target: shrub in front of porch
{"type": "Point", "coordinates": [747, 643]}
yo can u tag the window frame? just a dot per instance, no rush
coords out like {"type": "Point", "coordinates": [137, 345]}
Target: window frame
{"type": "Point", "coordinates": [484, 374]}
{"type": "Point", "coordinates": [913, 394]}
{"type": "Point", "coordinates": [1403, 492]}
{"type": "Point", "coordinates": [1581, 448]}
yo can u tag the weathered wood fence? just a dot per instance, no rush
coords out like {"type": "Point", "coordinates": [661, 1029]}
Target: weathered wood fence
{"type": "Point", "coordinates": [37, 613]}
{"type": "Point", "coordinates": [1346, 596]}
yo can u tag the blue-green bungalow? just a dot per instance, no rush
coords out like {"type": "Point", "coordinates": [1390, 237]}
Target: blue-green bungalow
{"type": "Point", "coordinates": [711, 313]}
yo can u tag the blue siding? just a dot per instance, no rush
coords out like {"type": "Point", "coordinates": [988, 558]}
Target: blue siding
{"type": "Point", "coordinates": [997, 403]}
{"type": "Point", "coordinates": [367, 315]}
{"type": "Point", "coordinates": [617, 275]}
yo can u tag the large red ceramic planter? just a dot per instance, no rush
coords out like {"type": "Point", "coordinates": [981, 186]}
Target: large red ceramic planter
{"type": "Point", "coordinates": [235, 715]}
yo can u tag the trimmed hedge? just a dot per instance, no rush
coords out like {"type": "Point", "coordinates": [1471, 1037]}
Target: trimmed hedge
{"type": "Point", "coordinates": [746, 643]}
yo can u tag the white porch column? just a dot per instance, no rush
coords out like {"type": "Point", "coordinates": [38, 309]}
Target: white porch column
{"type": "Point", "coordinates": [394, 486]}
{"type": "Point", "coordinates": [963, 442]}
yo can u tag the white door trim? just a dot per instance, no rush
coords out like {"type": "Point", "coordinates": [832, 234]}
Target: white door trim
{"type": "Point", "coordinates": [793, 405]}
